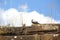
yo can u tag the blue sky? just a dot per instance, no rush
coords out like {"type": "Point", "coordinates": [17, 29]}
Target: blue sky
{"type": "Point", "coordinates": [46, 7]}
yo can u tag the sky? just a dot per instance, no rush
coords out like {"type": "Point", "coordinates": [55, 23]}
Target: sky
{"type": "Point", "coordinates": [49, 9]}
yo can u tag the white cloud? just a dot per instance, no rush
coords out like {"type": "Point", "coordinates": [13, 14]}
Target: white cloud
{"type": "Point", "coordinates": [23, 7]}
{"type": "Point", "coordinates": [13, 17]}
{"type": "Point", "coordinates": [1, 12]}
